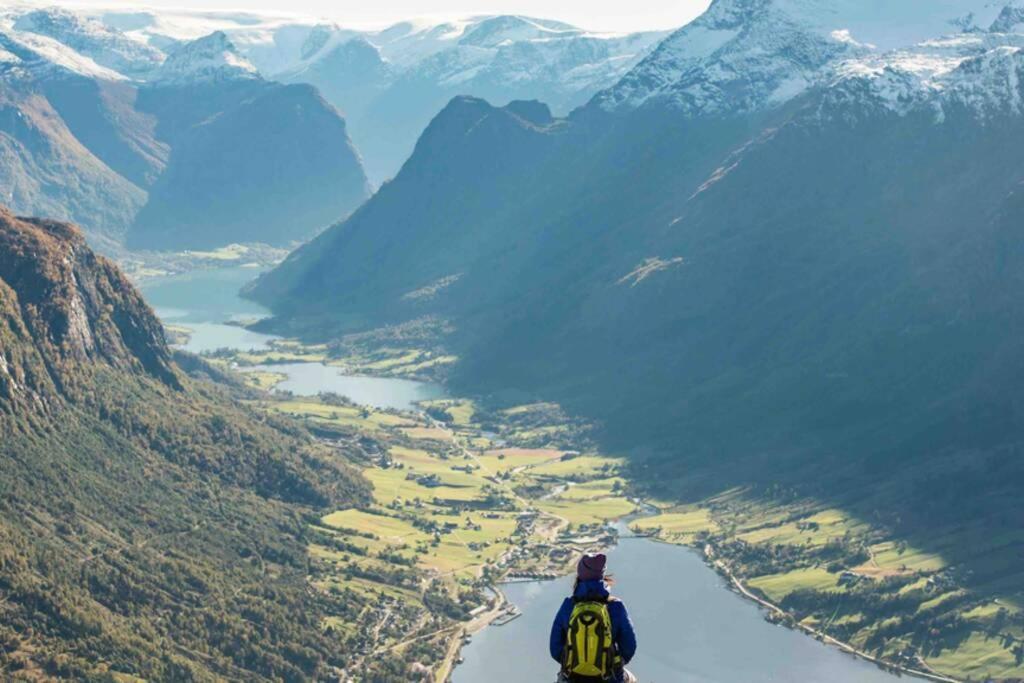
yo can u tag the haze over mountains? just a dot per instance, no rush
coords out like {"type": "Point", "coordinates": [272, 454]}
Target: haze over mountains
{"type": "Point", "coordinates": [786, 242]}
{"type": "Point", "coordinates": [131, 160]}
{"type": "Point", "coordinates": [390, 83]}
{"type": "Point", "coordinates": [110, 115]}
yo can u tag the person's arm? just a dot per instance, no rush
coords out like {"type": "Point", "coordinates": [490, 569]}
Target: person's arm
{"type": "Point", "coordinates": [559, 631]}
{"type": "Point", "coordinates": [623, 633]}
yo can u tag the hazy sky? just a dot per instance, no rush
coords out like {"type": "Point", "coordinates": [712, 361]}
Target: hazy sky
{"type": "Point", "coordinates": [605, 15]}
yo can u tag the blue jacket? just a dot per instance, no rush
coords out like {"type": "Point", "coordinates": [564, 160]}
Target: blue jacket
{"type": "Point", "coordinates": [622, 628]}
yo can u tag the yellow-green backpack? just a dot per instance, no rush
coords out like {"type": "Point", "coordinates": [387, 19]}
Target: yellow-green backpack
{"type": "Point", "coordinates": [589, 650]}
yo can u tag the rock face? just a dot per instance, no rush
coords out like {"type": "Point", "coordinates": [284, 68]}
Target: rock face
{"type": "Point", "coordinates": [132, 491]}
{"type": "Point", "coordinates": [73, 308]}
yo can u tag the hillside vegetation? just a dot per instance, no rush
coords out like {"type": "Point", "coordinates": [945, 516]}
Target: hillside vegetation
{"type": "Point", "coordinates": [152, 528]}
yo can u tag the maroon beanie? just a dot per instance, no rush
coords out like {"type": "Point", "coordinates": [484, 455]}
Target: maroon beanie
{"type": "Point", "coordinates": [591, 567]}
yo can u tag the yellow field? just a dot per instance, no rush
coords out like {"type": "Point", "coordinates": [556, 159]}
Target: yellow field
{"type": "Point", "coordinates": [680, 525]}
{"type": "Point", "coordinates": [592, 511]}
{"type": "Point", "coordinates": [508, 459]}
{"type": "Point", "coordinates": [778, 586]}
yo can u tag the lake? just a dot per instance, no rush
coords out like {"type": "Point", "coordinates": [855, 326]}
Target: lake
{"type": "Point", "coordinates": [309, 379]}
{"type": "Point", "coordinates": [207, 301]}
{"type": "Point", "coordinates": [691, 628]}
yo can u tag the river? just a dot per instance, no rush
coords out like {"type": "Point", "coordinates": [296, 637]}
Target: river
{"type": "Point", "coordinates": [691, 628]}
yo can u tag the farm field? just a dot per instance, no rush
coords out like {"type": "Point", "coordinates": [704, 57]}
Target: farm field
{"type": "Point", "coordinates": [460, 500]}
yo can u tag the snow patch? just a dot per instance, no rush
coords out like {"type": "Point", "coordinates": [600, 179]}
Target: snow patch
{"type": "Point", "coordinates": [32, 56]}
{"type": "Point", "coordinates": [211, 58]}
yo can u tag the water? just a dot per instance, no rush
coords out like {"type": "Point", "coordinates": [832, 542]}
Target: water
{"type": "Point", "coordinates": [690, 629]}
{"type": "Point", "coordinates": [382, 392]}
{"type": "Point", "coordinates": [206, 301]}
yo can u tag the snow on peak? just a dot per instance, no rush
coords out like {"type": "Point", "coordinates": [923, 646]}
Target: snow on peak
{"type": "Point", "coordinates": [496, 31]}
{"type": "Point", "coordinates": [210, 58]}
{"type": "Point", "coordinates": [747, 54]}
{"type": "Point", "coordinates": [29, 56]}
{"type": "Point", "coordinates": [980, 71]}
{"type": "Point", "coordinates": [104, 45]}
{"type": "Point", "coordinates": [738, 56]}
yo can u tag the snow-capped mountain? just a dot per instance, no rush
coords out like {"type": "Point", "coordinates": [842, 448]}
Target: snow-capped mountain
{"type": "Point", "coordinates": [30, 56]}
{"type": "Point", "coordinates": [417, 68]}
{"type": "Point", "coordinates": [389, 83]}
{"type": "Point", "coordinates": [104, 45]}
{"type": "Point", "coordinates": [208, 59]}
{"type": "Point", "coordinates": [743, 55]}
{"type": "Point", "coordinates": [981, 71]}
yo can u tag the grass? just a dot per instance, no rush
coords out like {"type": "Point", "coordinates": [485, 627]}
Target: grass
{"type": "Point", "coordinates": [461, 411]}
{"type": "Point", "coordinates": [384, 527]}
{"type": "Point", "coordinates": [679, 526]}
{"type": "Point", "coordinates": [890, 555]}
{"type": "Point", "coordinates": [264, 380]}
{"type": "Point", "coordinates": [232, 252]}
{"type": "Point", "coordinates": [585, 467]}
{"type": "Point", "coordinates": [347, 416]}
{"type": "Point", "coordinates": [980, 657]}
{"type": "Point", "coordinates": [598, 488]}
{"type": "Point", "coordinates": [777, 586]}
{"type": "Point", "coordinates": [591, 511]}
{"type": "Point", "coordinates": [427, 433]}
{"type": "Point", "coordinates": [509, 459]}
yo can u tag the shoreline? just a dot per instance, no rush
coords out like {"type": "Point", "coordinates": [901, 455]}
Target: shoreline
{"type": "Point", "coordinates": [733, 583]}
{"type": "Point", "coordinates": [736, 585]}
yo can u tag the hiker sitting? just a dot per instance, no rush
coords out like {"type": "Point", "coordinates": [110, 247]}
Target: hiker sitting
{"type": "Point", "coordinates": [592, 637]}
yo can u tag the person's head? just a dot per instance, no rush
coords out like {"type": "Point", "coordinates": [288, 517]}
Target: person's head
{"type": "Point", "coordinates": [591, 568]}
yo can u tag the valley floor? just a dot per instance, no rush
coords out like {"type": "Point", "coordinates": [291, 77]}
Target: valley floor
{"type": "Point", "coordinates": [466, 497]}
{"type": "Point", "coordinates": [463, 500]}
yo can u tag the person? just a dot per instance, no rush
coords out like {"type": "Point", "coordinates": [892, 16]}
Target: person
{"type": "Point", "coordinates": [592, 637]}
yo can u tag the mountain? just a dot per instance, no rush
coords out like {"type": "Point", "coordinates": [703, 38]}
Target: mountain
{"type": "Point", "coordinates": [106, 46]}
{"type": "Point", "coordinates": [211, 58]}
{"type": "Point", "coordinates": [782, 252]}
{"type": "Point", "coordinates": [202, 153]}
{"type": "Point", "coordinates": [47, 167]}
{"type": "Point", "coordinates": [275, 167]}
{"type": "Point", "coordinates": [390, 83]}
{"type": "Point", "coordinates": [152, 527]}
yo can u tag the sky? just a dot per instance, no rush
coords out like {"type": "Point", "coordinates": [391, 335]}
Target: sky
{"type": "Point", "coordinates": [597, 15]}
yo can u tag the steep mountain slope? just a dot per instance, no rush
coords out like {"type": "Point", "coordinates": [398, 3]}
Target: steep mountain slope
{"type": "Point", "coordinates": [252, 160]}
{"type": "Point", "coordinates": [47, 168]}
{"type": "Point", "coordinates": [151, 527]}
{"type": "Point", "coordinates": [275, 168]}
{"type": "Point", "coordinates": [588, 206]}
